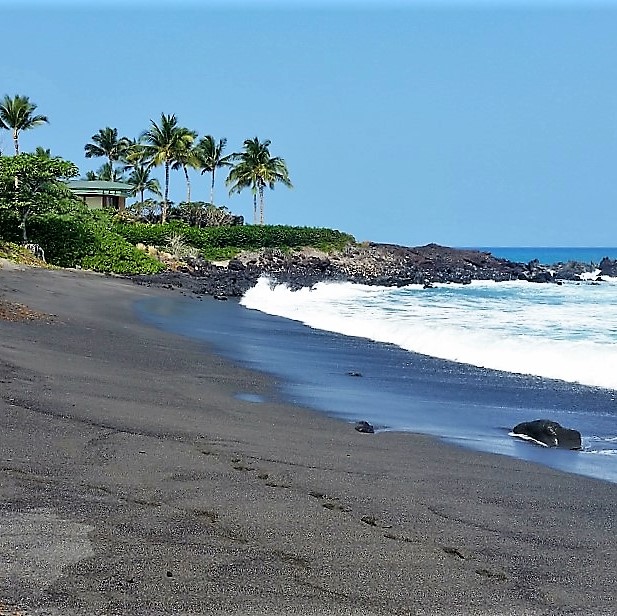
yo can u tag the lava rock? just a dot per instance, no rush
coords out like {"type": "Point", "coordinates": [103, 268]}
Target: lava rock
{"type": "Point", "coordinates": [608, 267]}
{"type": "Point", "coordinates": [542, 277]}
{"type": "Point", "coordinates": [365, 427]}
{"type": "Point", "coordinates": [549, 433]}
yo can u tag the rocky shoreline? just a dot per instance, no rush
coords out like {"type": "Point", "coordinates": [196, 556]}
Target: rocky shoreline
{"type": "Point", "coordinates": [367, 263]}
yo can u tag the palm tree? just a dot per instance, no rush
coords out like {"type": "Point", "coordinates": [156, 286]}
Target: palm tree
{"type": "Point", "coordinates": [106, 144]}
{"type": "Point", "coordinates": [42, 152]}
{"type": "Point", "coordinates": [256, 169]}
{"type": "Point", "coordinates": [164, 144]}
{"type": "Point", "coordinates": [108, 174]}
{"type": "Point", "coordinates": [135, 155]}
{"type": "Point", "coordinates": [184, 158]}
{"type": "Point", "coordinates": [141, 182]}
{"type": "Point", "coordinates": [17, 114]}
{"type": "Point", "coordinates": [210, 158]}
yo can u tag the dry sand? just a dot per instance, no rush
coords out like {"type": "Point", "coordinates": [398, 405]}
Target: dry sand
{"type": "Point", "coordinates": [133, 481]}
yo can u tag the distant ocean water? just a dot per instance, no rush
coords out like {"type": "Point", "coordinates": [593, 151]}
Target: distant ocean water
{"type": "Point", "coordinates": [464, 362]}
{"type": "Point", "coordinates": [549, 256]}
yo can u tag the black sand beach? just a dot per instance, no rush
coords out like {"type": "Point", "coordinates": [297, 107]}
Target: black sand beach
{"type": "Point", "coordinates": [133, 480]}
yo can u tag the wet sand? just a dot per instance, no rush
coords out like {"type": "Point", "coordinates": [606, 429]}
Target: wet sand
{"type": "Point", "coordinates": [134, 480]}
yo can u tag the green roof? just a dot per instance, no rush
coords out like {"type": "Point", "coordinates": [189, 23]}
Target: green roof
{"type": "Point", "coordinates": [99, 187]}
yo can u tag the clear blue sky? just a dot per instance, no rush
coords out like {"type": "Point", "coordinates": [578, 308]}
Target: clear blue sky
{"type": "Point", "coordinates": [464, 123]}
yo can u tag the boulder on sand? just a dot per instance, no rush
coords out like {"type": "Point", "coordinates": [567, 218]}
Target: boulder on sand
{"type": "Point", "coordinates": [365, 427]}
{"type": "Point", "coordinates": [548, 433]}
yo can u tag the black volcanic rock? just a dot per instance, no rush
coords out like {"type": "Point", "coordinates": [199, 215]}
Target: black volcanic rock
{"type": "Point", "coordinates": [608, 267]}
{"type": "Point", "coordinates": [542, 276]}
{"type": "Point", "coordinates": [550, 433]}
{"type": "Point", "coordinates": [371, 264]}
{"type": "Point", "coordinates": [364, 427]}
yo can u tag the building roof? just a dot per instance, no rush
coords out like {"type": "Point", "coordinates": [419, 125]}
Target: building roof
{"type": "Point", "coordinates": [99, 187]}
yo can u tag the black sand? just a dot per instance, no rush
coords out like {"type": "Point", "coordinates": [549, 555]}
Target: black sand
{"type": "Point", "coordinates": [133, 481]}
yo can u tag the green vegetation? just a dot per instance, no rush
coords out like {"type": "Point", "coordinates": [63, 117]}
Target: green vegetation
{"type": "Point", "coordinates": [37, 206]}
{"type": "Point", "coordinates": [227, 241]}
{"type": "Point", "coordinates": [82, 238]}
{"type": "Point", "coordinates": [17, 114]}
{"type": "Point", "coordinates": [168, 144]}
{"type": "Point", "coordinates": [210, 158]}
{"type": "Point", "coordinates": [106, 144]}
{"type": "Point", "coordinates": [256, 169]}
{"type": "Point", "coordinates": [31, 185]}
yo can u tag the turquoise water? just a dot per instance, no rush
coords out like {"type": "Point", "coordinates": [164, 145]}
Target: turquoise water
{"type": "Point", "coordinates": [551, 255]}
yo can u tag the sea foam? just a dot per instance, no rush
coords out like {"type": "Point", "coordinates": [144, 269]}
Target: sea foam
{"type": "Point", "coordinates": [565, 332]}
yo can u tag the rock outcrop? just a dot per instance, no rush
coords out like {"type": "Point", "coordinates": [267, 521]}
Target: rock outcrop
{"type": "Point", "coordinates": [608, 267]}
{"type": "Point", "coordinates": [368, 263]}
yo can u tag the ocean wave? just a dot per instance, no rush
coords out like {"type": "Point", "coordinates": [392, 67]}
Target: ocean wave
{"type": "Point", "coordinates": [565, 332]}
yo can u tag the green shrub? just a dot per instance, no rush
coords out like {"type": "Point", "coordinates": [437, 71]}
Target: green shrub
{"type": "Point", "coordinates": [115, 254]}
{"type": "Point", "coordinates": [220, 254]}
{"type": "Point", "coordinates": [87, 240]}
{"type": "Point", "coordinates": [151, 234]}
{"type": "Point", "coordinates": [9, 226]}
{"type": "Point", "coordinates": [66, 239]}
{"type": "Point", "coordinates": [239, 237]}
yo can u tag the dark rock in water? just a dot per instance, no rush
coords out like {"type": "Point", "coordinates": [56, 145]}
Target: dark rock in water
{"type": "Point", "coordinates": [354, 374]}
{"type": "Point", "coordinates": [608, 267]}
{"type": "Point", "coordinates": [549, 433]}
{"type": "Point", "coordinates": [365, 427]}
{"type": "Point", "coordinates": [571, 270]}
{"type": "Point", "coordinates": [542, 277]}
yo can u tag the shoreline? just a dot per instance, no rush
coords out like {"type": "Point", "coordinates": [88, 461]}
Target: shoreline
{"type": "Point", "coordinates": [402, 391]}
{"type": "Point", "coordinates": [369, 263]}
{"type": "Point", "coordinates": [162, 492]}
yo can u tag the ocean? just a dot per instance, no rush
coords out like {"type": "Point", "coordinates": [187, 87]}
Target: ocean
{"type": "Point", "coordinates": [464, 363]}
{"type": "Point", "coordinates": [552, 255]}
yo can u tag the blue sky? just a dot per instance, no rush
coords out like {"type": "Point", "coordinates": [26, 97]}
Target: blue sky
{"type": "Point", "coordinates": [463, 123]}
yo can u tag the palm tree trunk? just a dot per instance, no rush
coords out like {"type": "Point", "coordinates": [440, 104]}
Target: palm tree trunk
{"type": "Point", "coordinates": [212, 189]}
{"type": "Point", "coordinates": [16, 141]}
{"type": "Point", "coordinates": [141, 192]}
{"type": "Point", "coordinates": [261, 205]}
{"type": "Point", "coordinates": [188, 184]}
{"type": "Point", "coordinates": [164, 212]}
{"type": "Point", "coordinates": [254, 208]}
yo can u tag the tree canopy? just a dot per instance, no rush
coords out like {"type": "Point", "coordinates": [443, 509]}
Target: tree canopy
{"type": "Point", "coordinates": [210, 158]}
{"type": "Point", "coordinates": [254, 168]}
{"type": "Point", "coordinates": [17, 114]}
{"type": "Point", "coordinates": [32, 185]}
{"type": "Point", "coordinates": [166, 143]}
{"type": "Point", "coordinates": [107, 144]}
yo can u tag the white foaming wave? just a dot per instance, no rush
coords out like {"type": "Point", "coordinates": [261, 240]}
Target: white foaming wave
{"type": "Point", "coordinates": [525, 437]}
{"type": "Point", "coordinates": [603, 439]}
{"type": "Point", "coordinates": [542, 330]}
{"type": "Point", "coordinates": [590, 275]}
